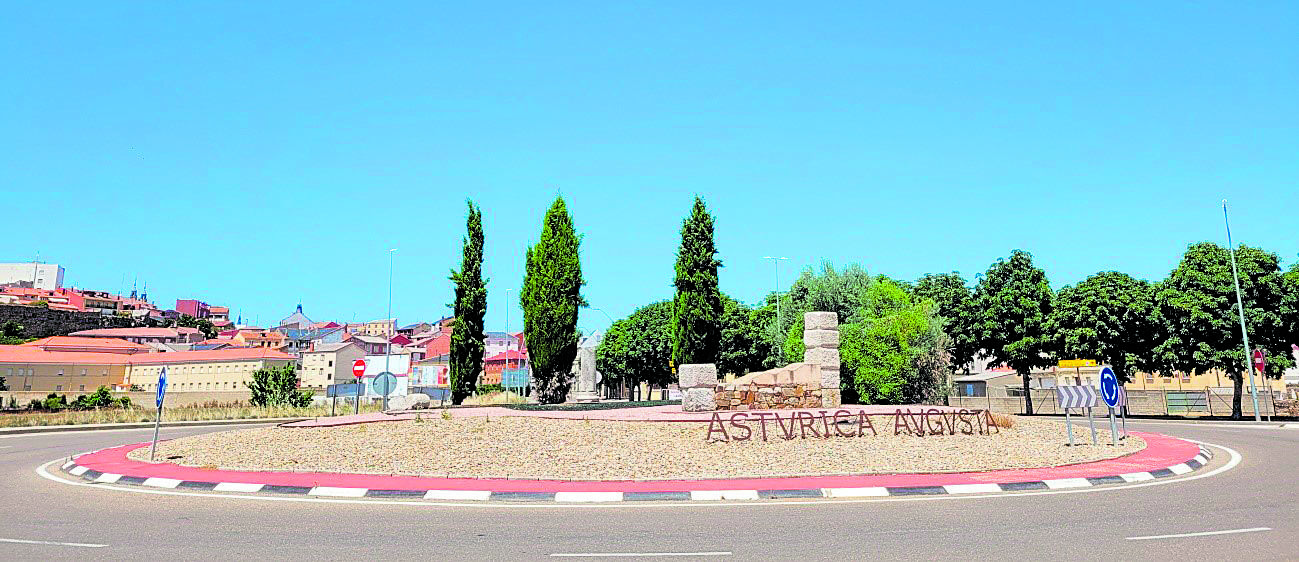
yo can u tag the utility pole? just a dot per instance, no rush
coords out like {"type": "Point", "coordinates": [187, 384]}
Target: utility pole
{"type": "Point", "coordinates": [1240, 307]}
{"type": "Point", "coordinates": [387, 356]}
{"type": "Point", "coordinates": [508, 340]}
{"type": "Point", "coordinates": [775, 261]}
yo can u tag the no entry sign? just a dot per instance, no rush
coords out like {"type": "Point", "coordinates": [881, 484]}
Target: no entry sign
{"type": "Point", "coordinates": [358, 368]}
{"type": "Point", "coordinates": [1259, 362]}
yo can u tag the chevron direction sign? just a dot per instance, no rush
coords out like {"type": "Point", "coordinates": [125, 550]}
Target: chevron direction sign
{"type": "Point", "coordinates": [1075, 396]}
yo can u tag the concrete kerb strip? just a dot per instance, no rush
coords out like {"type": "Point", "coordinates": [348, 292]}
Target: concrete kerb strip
{"type": "Point", "coordinates": [140, 425]}
{"type": "Point", "coordinates": [71, 467]}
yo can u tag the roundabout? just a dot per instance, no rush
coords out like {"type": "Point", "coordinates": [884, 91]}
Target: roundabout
{"type": "Point", "coordinates": [506, 460]}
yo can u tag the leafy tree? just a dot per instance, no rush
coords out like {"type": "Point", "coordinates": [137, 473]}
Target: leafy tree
{"type": "Point", "coordinates": [277, 386]}
{"type": "Point", "coordinates": [1290, 304]}
{"type": "Point", "coordinates": [4, 384]}
{"type": "Point", "coordinates": [1109, 317]}
{"type": "Point", "coordinates": [203, 324]}
{"type": "Point", "coordinates": [956, 306]}
{"type": "Point", "coordinates": [829, 291]}
{"type": "Point", "coordinates": [101, 398]}
{"type": "Point", "coordinates": [893, 351]}
{"type": "Point", "coordinates": [1198, 304]}
{"type": "Point", "coordinates": [13, 333]}
{"type": "Point", "coordinates": [638, 349]}
{"type": "Point", "coordinates": [551, 296]}
{"type": "Point", "coordinates": [467, 336]}
{"type": "Point", "coordinates": [1013, 304]}
{"type": "Point", "coordinates": [697, 309]}
{"type": "Point", "coordinates": [743, 346]}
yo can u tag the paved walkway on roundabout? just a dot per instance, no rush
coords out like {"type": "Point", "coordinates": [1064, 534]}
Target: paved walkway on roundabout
{"type": "Point", "coordinates": [665, 413]}
{"type": "Point", "coordinates": [1163, 457]}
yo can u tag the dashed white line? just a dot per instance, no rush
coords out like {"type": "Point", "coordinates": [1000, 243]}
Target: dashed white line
{"type": "Point", "coordinates": [719, 495]}
{"type": "Point", "coordinates": [1201, 534]}
{"type": "Point", "coordinates": [53, 543]}
{"type": "Point", "coordinates": [636, 554]}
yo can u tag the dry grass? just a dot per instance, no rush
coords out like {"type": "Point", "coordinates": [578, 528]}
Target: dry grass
{"type": "Point", "coordinates": [204, 412]}
{"type": "Point", "coordinates": [496, 398]}
{"type": "Point", "coordinates": [1002, 420]}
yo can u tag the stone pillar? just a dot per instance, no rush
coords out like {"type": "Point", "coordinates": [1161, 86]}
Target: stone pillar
{"type": "Point", "coordinates": [698, 384]}
{"type": "Point", "coordinates": [587, 378]}
{"type": "Point", "coordinates": [821, 347]}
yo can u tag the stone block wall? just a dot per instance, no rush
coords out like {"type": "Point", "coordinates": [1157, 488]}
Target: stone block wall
{"type": "Point", "coordinates": [821, 348]}
{"type": "Point", "coordinates": [698, 384]}
{"type": "Point", "coordinates": [776, 397]}
{"type": "Point", "coordinates": [40, 322]}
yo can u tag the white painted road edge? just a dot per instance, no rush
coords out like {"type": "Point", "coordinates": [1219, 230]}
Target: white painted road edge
{"type": "Point", "coordinates": [54, 543]}
{"type": "Point", "coordinates": [637, 554]}
{"type": "Point", "coordinates": [849, 495]}
{"type": "Point", "coordinates": [1201, 534]}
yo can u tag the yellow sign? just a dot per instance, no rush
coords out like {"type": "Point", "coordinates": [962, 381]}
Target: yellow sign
{"type": "Point", "coordinates": [1072, 363]}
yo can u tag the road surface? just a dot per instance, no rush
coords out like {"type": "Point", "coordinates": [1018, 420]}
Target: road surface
{"type": "Point", "coordinates": [1245, 512]}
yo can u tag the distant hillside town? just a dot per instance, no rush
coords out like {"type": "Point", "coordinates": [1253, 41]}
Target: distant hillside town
{"type": "Point", "coordinates": [202, 347]}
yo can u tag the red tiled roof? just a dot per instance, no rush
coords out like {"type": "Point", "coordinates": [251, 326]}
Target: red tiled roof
{"type": "Point", "coordinates": [135, 332]}
{"type": "Point", "coordinates": [72, 343]}
{"type": "Point", "coordinates": [24, 354]}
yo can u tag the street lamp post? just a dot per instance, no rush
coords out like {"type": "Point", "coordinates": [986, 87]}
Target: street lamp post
{"type": "Point", "coordinates": [387, 356]}
{"type": "Point", "coordinates": [508, 340]}
{"type": "Point", "coordinates": [775, 261]}
{"type": "Point", "coordinates": [1240, 306]}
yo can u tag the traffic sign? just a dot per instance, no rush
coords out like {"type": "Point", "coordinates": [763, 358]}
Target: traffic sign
{"type": "Point", "coordinates": [384, 383]}
{"type": "Point", "coordinates": [1259, 362]}
{"type": "Point", "coordinates": [162, 386]}
{"type": "Point", "coordinates": [1075, 363]}
{"type": "Point", "coordinates": [1075, 396]}
{"type": "Point", "coordinates": [1109, 387]}
{"type": "Point", "coordinates": [358, 368]}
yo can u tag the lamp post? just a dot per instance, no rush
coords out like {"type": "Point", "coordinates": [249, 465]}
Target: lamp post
{"type": "Point", "coordinates": [775, 261]}
{"type": "Point", "coordinates": [1240, 307]}
{"type": "Point", "coordinates": [387, 355]}
{"type": "Point", "coordinates": [509, 339]}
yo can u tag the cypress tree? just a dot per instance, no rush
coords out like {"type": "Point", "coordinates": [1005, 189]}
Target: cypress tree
{"type": "Point", "coordinates": [697, 309]}
{"type": "Point", "coordinates": [551, 296]}
{"type": "Point", "coordinates": [467, 337]}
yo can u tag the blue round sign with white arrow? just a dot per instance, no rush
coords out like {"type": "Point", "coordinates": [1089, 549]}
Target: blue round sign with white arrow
{"type": "Point", "coordinates": [1109, 387]}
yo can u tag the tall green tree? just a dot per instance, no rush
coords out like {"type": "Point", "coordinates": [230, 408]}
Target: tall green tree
{"type": "Point", "coordinates": [1013, 306]}
{"type": "Point", "coordinates": [829, 290]}
{"type": "Point", "coordinates": [467, 335]}
{"type": "Point", "coordinates": [1109, 317]}
{"type": "Point", "coordinates": [1290, 304]}
{"type": "Point", "coordinates": [638, 349]}
{"type": "Point", "coordinates": [956, 305]}
{"type": "Point", "coordinates": [697, 308]}
{"type": "Point", "coordinates": [277, 386]}
{"type": "Point", "coordinates": [203, 324]}
{"type": "Point", "coordinates": [1199, 307]}
{"type": "Point", "coordinates": [551, 297]}
{"type": "Point", "coordinates": [743, 344]}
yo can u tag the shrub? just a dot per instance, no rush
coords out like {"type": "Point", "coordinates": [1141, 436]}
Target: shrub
{"type": "Point", "coordinates": [278, 387]}
{"type": "Point", "coordinates": [35, 405]}
{"type": "Point", "coordinates": [1002, 420]}
{"type": "Point", "coordinates": [55, 402]}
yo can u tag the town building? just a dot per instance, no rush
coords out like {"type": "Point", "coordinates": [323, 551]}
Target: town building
{"type": "Point", "coordinates": [373, 345]}
{"type": "Point", "coordinates": [386, 327]}
{"type": "Point", "coordinates": [258, 338]}
{"type": "Point", "coordinates": [34, 275]}
{"type": "Point", "coordinates": [180, 334]}
{"type": "Point", "coordinates": [195, 308]}
{"type": "Point", "coordinates": [329, 363]}
{"type": "Point", "coordinates": [62, 364]}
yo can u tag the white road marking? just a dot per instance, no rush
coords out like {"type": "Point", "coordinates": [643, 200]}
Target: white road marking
{"type": "Point", "coordinates": [1180, 468]}
{"type": "Point", "coordinates": [636, 554]}
{"type": "Point", "coordinates": [53, 543]}
{"type": "Point", "coordinates": [157, 482]}
{"type": "Point", "coordinates": [971, 488]}
{"type": "Point", "coordinates": [108, 478]}
{"type": "Point", "coordinates": [1137, 476]}
{"type": "Point", "coordinates": [337, 492]}
{"type": "Point", "coordinates": [1235, 460]}
{"type": "Point", "coordinates": [78, 471]}
{"type": "Point", "coordinates": [5, 446]}
{"type": "Point", "coordinates": [1202, 534]}
{"type": "Point", "coordinates": [237, 487]}
{"type": "Point", "coordinates": [470, 495]}
{"type": "Point", "coordinates": [716, 495]}
{"type": "Point", "coordinates": [588, 496]}
{"type": "Point", "coordinates": [1067, 483]}
{"type": "Point", "coordinates": [877, 491]}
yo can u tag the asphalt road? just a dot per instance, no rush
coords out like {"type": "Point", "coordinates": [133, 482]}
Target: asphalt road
{"type": "Point", "coordinates": [1098, 523]}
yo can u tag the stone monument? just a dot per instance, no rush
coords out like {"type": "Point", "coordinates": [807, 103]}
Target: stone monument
{"type": "Point", "coordinates": [821, 348]}
{"type": "Point", "coordinates": [587, 377]}
{"type": "Point", "coordinates": [698, 384]}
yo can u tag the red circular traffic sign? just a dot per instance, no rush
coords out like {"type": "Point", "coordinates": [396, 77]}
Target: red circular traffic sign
{"type": "Point", "coordinates": [1259, 362]}
{"type": "Point", "coordinates": [358, 368]}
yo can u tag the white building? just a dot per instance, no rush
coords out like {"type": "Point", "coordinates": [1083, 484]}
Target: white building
{"type": "Point", "coordinates": [47, 276]}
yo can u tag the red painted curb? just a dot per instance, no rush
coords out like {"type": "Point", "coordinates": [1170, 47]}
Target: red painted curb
{"type": "Point", "coordinates": [1161, 452]}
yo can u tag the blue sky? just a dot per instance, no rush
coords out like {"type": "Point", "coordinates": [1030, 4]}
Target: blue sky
{"type": "Point", "coordinates": [255, 156]}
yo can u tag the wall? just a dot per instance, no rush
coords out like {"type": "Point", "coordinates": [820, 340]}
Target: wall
{"type": "Point", "coordinates": [216, 376]}
{"type": "Point", "coordinates": [142, 399]}
{"type": "Point", "coordinates": [775, 397]}
{"type": "Point", "coordinates": [1191, 403]}
{"type": "Point", "coordinates": [42, 322]}
{"type": "Point", "coordinates": [61, 378]}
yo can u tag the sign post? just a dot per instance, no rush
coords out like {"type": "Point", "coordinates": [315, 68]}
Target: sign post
{"type": "Point", "coordinates": [384, 384]}
{"type": "Point", "coordinates": [1110, 393]}
{"type": "Point", "coordinates": [1069, 396]}
{"type": "Point", "coordinates": [157, 422]}
{"type": "Point", "coordinates": [358, 371]}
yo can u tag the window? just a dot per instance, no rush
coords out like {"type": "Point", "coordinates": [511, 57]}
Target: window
{"type": "Point", "coordinates": [83, 387]}
{"type": "Point", "coordinates": [1150, 378]}
{"type": "Point", "coordinates": [27, 387]}
{"type": "Point", "coordinates": [60, 372]}
{"type": "Point", "coordinates": [331, 363]}
{"type": "Point", "coordinates": [58, 387]}
{"type": "Point", "coordinates": [83, 372]}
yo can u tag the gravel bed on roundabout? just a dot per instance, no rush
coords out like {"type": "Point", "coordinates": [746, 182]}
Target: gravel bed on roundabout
{"type": "Point", "coordinates": [535, 448]}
